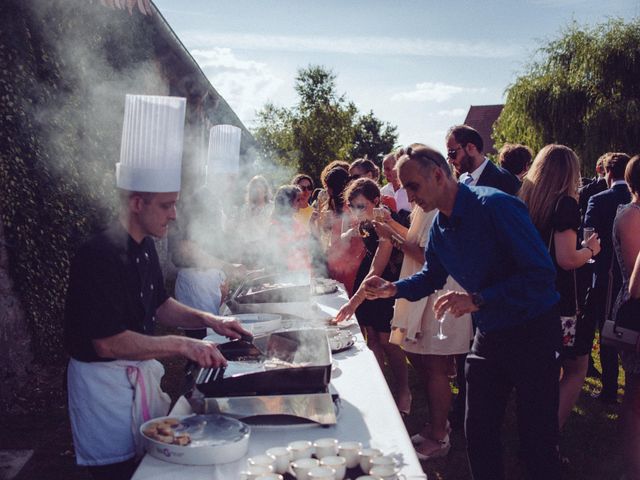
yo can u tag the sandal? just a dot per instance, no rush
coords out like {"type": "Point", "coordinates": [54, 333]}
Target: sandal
{"type": "Point", "coordinates": [418, 438]}
{"type": "Point", "coordinates": [441, 449]}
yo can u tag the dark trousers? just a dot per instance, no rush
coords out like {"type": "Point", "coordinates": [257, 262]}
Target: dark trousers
{"type": "Point", "coordinates": [596, 305]}
{"type": "Point", "coordinates": [115, 471]}
{"type": "Point", "coordinates": [524, 358]}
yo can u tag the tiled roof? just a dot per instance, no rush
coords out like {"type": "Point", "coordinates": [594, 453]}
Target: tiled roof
{"type": "Point", "coordinates": [482, 118]}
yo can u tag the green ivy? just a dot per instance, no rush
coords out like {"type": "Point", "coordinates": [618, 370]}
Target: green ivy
{"type": "Point", "coordinates": [56, 158]}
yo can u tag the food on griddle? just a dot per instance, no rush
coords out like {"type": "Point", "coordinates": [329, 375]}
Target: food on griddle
{"type": "Point", "coordinates": [273, 363]}
{"type": "Point", "coordinates": [265, 287]}
{"type": "Point", "coordinates": [165, 431]}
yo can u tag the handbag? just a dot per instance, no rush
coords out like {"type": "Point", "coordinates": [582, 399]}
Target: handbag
{"type": "Point", "coordinates": [623, 332]}
{"type": "Point", "coordinates": [568, 324]}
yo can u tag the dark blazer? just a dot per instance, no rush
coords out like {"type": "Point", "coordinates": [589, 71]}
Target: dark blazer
{"type": "Point", "coordinates": [592, 188]}
{"type": "Point", "coordinates": [498, 177]}
{"type": "Point", "coordinates": [601, 211]}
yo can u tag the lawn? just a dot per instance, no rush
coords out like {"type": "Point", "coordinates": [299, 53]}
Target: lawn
{"type": "Point", "coordinates": [590, 440]}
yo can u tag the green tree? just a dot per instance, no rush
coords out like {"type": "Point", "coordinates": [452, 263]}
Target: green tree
{"type": "Point", "coordinates": [323, 126]}
{"type": "Point", "coordinates": [373, 138]}
{"type": "Point", "coordinates": [582, 92]}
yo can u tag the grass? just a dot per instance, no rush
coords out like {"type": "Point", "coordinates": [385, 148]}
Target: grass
{"type": "Point", "coordinates": [590, 439]}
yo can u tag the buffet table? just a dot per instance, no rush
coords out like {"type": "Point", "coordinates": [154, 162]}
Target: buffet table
{"type": "Point", "coordinates": [367, 414]}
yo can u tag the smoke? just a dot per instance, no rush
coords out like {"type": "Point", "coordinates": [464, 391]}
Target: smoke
{"type": "Point", "coordinates": [91, 57]}
{"type": "Point", "coordinates": [96, 56]}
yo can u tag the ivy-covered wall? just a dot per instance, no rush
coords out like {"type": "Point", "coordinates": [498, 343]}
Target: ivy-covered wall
{"type": "Point", "coordinates": [65, 66]}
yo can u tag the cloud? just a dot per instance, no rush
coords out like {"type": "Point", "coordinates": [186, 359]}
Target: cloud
{"type": "Point", "coordinates": [434, 92]}
{"type": "Point", "coordinates": [354, 45]}
{"type": "Point", "coordinates": [246, 85]}
{"type": "Point", "coordinates": [454, 112]}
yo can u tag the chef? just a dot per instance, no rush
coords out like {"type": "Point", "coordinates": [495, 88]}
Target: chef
{"type": "Point", "coordinates": [116, 296]}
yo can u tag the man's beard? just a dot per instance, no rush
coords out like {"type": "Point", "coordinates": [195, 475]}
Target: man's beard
{"type": "Point", "coordinates": [466, 164]}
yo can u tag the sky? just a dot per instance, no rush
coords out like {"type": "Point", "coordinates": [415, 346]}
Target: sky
{"type": "Point", "coordinates": [418, 64]}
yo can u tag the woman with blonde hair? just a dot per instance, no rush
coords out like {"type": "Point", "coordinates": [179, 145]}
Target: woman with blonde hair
{"type": "Point", "coordinates": [550, 190]}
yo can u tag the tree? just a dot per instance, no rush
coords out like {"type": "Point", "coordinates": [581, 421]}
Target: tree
{"type": "Point", "coordinates": [323, 126]}
{"type": "Point", "coordinates": [373, 138]}
{"type": "Point", "coordinates": [583, 92]}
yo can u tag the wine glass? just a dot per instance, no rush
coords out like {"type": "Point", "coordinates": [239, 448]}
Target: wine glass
{"type": "Point", "coordinates": [586, 234]}
{"type": "Point", "coordinates": [440, 335]}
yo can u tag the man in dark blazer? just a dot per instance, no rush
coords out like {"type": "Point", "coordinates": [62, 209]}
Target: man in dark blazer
{"type": "Point", "coordinates": [592, 186]}
{"type": "Point", "coordinates": [601, 211]}
{"type": "Point", "coordinates": [464, 151]}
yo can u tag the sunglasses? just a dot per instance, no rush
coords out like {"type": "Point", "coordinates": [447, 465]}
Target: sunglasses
{"type": "Point", "coordinates": [453, 153]}
{"type": "Point", "coordinates": [305, 188]}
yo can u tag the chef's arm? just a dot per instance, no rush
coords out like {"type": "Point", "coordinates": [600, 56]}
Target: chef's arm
{"type": "Point", "coordinates": [175, 314]}
{"type": "Point", "coordinates": [129, 345]}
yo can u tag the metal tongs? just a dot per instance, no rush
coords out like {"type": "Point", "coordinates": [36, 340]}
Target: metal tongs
{"type": "Point", "coordinates": [205, 374]}
{"type": "Point", "coordinates": [234, 350]}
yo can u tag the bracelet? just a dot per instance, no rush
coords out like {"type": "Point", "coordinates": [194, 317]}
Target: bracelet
{"type": "Point", "coordinates": [593, 254]}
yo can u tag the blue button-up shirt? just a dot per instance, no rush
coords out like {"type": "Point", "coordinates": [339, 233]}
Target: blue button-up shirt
{"type": "Point", "coordinates": [489, 246]}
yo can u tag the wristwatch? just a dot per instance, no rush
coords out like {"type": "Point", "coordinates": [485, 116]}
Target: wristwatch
{"type": "Point", "coordinates": [477, 299]}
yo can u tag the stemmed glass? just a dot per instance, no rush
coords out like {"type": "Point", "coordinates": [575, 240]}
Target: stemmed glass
{"type": "Point", "coordinates": [586, 234]}
{"type": "Point", "coordinates": [440, 335]}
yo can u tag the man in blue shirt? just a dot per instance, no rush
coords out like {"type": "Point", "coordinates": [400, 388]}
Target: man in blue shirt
{"type": "Point", "coordinates": [485, 240]}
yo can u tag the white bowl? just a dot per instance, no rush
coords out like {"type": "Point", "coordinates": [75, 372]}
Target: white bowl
{"type": "Point", "coordinates": [214, 439]}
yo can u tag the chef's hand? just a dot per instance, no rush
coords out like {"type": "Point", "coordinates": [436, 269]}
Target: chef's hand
{"type": "Point", "coordinates": [205, 354]}
{"type": "Point", "coordinates": [228, 326]}
{"type": "Point", "coordinates": [457, 303]}
{"type": "Point", "coordinates": [376, 287]}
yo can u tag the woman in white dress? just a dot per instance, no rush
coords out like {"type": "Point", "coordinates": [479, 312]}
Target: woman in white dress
{"type": "Point", "coordinates": [414, 327]}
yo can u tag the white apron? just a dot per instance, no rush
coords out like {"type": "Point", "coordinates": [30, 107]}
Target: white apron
{"type": "Point", "coordinates": [108, 401]}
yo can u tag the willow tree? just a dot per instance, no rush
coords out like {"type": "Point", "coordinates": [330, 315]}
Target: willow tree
{"type": "Point", "coordinates": [582, 91]}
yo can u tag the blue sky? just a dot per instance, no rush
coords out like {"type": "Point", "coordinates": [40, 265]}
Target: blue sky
{"type": "Point", "coordinates": [418, 64]}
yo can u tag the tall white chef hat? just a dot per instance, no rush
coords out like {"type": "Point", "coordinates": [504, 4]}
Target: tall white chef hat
{"type": "Point", "coordinates": [224, 149]}
{"type": "Point", "coordinates": [151, 150]}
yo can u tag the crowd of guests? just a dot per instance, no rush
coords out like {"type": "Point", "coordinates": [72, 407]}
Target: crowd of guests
{"type": "Point", "coordinates": [586, 232]}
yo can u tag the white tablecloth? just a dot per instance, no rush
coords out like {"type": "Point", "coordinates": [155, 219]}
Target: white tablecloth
{"type": "Point", "coordinates": [368, 414]}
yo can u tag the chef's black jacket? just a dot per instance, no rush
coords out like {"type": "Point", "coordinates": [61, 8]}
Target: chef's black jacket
{"type": "Point", "coordinates": [115, 285]}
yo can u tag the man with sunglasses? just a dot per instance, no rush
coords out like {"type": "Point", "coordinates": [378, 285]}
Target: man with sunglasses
{"type": "Point", "coordinates": [464, 151]}
{"type": "Point", "coordinates": [513, 305]}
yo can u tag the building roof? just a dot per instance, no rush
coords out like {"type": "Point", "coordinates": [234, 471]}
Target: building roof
{"type": "Point", "coordinates": [482, 118]}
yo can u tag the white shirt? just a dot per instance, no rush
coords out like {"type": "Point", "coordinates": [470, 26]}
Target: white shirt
{"type": "Point", "coordinates": [400, 196]}
{"type": "Point", "coordinates": [618, 182]}
{"type": "Point", "coordinates": [475, 175]}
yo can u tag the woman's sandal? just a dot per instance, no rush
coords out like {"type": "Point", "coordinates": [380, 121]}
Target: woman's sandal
{"type": "Point", "coordinates": [441, 449]}
{"type": "Point", "coordinates": [418, 438]}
